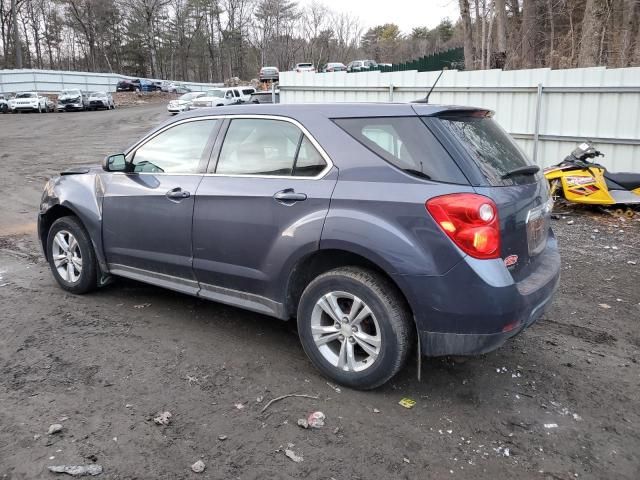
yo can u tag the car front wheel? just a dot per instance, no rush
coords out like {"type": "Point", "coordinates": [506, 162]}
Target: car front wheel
{"type": "Point", "coordinates": [355, 327]}
{"type": "Point", "coordinates": [71, 256]}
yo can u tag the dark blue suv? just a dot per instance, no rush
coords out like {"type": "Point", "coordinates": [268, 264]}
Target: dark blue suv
{"type": "Point", "coordinates": [379, 227]}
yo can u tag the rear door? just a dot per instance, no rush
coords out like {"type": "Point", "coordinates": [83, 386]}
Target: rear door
{"type": "Point", "coordinates": [147, 214]}
{"type": "Point", "coordinates": [489, 156]}
{"type": "Point", "coordinates": [262, 207]}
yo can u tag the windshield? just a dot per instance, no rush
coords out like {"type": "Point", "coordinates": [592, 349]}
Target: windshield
{"type": "Point", "coordinates": [188, 96]}
{"type": "Point", "coordinates": [214, 93]}
{"type": "Point", "coordinates": [26, 95]}
{"type": "Point", "coordinates": [70, 92]}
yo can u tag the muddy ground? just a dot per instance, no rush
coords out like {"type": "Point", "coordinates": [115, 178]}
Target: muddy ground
{"type": "Point", "coordinates": [104, 364]}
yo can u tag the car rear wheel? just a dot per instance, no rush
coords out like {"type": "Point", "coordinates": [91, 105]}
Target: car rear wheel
{"type": "Point", "coordinates": [71, 256]}
{"type": "Point", "coordinates": [355, 327]}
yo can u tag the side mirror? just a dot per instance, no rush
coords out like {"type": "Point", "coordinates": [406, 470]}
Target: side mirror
{"type": "Point", "coordinates": [115, 163]}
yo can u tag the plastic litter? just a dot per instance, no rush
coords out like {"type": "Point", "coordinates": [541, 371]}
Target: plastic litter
{"type": "Point", "coordinates": [407, 403]}
{"type": "Point", "coordinates": [77, 470]}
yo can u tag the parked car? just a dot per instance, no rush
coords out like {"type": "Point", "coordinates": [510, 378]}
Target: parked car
{"type": "Point", "coordinates": [99, 100]}
{"type": "Point", "coordinates": [74, 99]}
{"type": "Point", "coordinates": [148, 86]}
{"type": "Point", "coordinates": [264, 97]}
{"type": "Point", "coordinates": [128, 85]}
{"type": "Point", "coordinates": [28, 102]}
{"type": "Point", "coordinates": [175, 87]}
{"type": "Point", "coordinates": [183, 103]}
{"type": "Point", "coordinates": [361, 65]}
{"type": "Point", "coordinates": [334, 67]}
{"type": "Point", "coordinates": [244, 93]}
{"type": "Point", "coordinates": [4, 104]}
{"type": "Point", "coordinates": [304, 67]}
{"type": "Point", "coordinates": [217, 97]}
{"type": "Point", "coordinates": [246, 207]}
{"type": "Point", "coordinates": [269, 74]}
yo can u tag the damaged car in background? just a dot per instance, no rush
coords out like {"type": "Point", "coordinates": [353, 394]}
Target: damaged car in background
{"type": "Point", "coordinates": [74, 99]}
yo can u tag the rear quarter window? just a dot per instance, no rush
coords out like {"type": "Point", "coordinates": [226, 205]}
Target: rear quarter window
{"type": "Point", "coordinates": [406, 143]}
{"type": "Point", "coordinates": [492, 149]}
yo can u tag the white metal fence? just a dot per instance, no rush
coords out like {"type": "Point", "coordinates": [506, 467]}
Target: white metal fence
{"type": "Point", "coordinates": [54, 81]}
{"type": "Point", "coordinates": [546, 111]}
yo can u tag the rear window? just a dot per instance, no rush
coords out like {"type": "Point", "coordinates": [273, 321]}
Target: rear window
{"type": "Point", "coordinates": [491, 148]}
{"type": "Point", "coordinates": [406, 143]}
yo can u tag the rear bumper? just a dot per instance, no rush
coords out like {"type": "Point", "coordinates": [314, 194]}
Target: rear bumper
{"type": "Point", "coordinates": [476, 307]}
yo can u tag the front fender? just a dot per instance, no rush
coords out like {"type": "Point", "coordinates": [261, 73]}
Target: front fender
{"type": "Point", "coordinates": [82, 195]}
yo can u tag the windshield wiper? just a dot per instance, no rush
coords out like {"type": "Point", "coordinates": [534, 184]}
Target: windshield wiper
{"type": "Point", "coordinates": [417, 173]}
{"type": "Point", "coordinates": [526, 170]}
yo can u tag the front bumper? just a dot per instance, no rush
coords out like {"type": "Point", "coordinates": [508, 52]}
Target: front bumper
{"type": "Point", "coordinates": [70, 106]}
{"type": "Point", "coordinates": [476, 306]}
{"type": "Point", "coordinates": [99, 103]}
{"type": "Point", "coordinates": [177, 108]}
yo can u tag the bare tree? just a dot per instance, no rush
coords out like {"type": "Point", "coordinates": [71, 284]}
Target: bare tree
{"type": "Point", "coordinates": [529, 32]}
{"type": "Point", "coordinates": [469, 51]}
{"type": "Point", "coordinates": [593, 24]}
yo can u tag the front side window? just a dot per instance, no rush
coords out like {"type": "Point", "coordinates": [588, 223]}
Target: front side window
{"type": "Point", "coordinates": [177, 150]}
{"type": "Point", "coordinates": [267, 147]}
{"type": "Point", "coordinates": [406, 143]}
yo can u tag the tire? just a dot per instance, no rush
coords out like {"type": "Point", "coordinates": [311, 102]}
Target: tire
{"type": "Point", "coordinates": [87, 275]}
{"type": "Point", "coordinates": [388, 326]}
{"type": "Point", "coordinates": [39, 108]}
{"type": "Point", "coordinates": [5, 108]}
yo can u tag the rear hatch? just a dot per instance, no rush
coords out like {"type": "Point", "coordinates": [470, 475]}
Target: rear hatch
{"type": "Point", "coordinates": [497, 168]}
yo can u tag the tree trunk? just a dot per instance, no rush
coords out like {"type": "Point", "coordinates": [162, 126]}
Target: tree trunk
{"type": "Point", "coordinates": [629, 25]}
{"type": "Point", "coordinates": [469, 53]}
{"type": "Point", "coordinates": [593, 22]}
{"type": "Point", "coordinates": [529, 33]}
{"type": "Point", "coordinates": [501, 25]}
{"type": "Point", "coordinates": [16, 35]}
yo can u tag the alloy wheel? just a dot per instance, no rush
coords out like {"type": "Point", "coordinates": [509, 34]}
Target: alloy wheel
{"type": "Point", "coordinates": [345, 331]}
{"type": "Point", "coordinates": [67, 257]}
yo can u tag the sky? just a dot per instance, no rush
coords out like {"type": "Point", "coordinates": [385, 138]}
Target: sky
{"type": "Point", "coordinates": [404, 13]}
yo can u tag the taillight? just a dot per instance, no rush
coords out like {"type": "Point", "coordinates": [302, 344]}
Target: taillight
{"type": "Point", "coordinates": [470, 220]}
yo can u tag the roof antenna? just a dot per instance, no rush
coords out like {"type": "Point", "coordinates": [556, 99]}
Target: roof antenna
{"type": "Point", "coordinates": [426, 100]}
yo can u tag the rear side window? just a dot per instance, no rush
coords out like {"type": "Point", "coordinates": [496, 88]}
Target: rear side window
{"type": "Point", "coordinates": [406, 143]}
{"type": "Point", "coordinates": [491, 148]}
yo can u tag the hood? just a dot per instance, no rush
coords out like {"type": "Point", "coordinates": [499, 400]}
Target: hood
{"type": "Point", "coordinates": [81, 170]}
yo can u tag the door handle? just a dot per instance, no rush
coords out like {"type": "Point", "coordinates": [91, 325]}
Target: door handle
{"type": "Point", "coordinates": [177, 194]}
{"type": "Point", "coordinates": [289, 196]}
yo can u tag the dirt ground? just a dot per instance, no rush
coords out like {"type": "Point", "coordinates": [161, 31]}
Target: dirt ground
{"type": "Point", "coordinates": [561, 401]}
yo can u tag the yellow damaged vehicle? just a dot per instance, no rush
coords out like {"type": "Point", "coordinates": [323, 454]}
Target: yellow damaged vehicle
{"type": "Point", "coordinates": [578, 179]}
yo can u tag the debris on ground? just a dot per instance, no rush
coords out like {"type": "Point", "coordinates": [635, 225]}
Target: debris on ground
{"type": "Point", "coordinates": [550, 425]}
{"type": "Point", "coordinates": [163, 418]}
{"type": "Point", "coordinates": [316, 419]}
{"type": "Point", "coordinates": [77, 470]}
{"type": "Point", "coordinates": [293, 456]}
{"type": "Point", "coordinates": [604, 305]}
{"type": "Point", "coordinates": [222, 438]}
{"type": "Point", "coordinates": [277, 399]}
{"type": "Point", "coordinates": [239, 405]}
{"type": "Point", "coordinates": [55, 428]}
{"type": "Point", "coordinates": [302, 422]}
{"type": "Point", "coordinates": [198, 467]}
{"type": "Point", "coordinates": [375, 410]}
{"type": "Point", "coordinates": [142, 305]}
{"type": "Point", "coordinates": [407, 403]}
{"type": "Point", "coordinates": [334, 387]}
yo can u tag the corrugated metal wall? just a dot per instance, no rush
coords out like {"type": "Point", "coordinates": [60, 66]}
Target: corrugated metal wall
{"type": "Point", "coordinates": [567, 106]}
{"type": "Point", "coordinates": [12, 81]}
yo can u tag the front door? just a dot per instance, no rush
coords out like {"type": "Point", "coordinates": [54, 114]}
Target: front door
{"type": "Point", "coordinates": [263, 207]}
{"type": "Point", "coordinates": [147, 214]}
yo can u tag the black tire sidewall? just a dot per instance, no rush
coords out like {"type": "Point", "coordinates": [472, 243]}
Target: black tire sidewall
{"type": "Point", "coordinates": [386, 364]}
{"type": "Point", "coordinates": [88, 275]}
